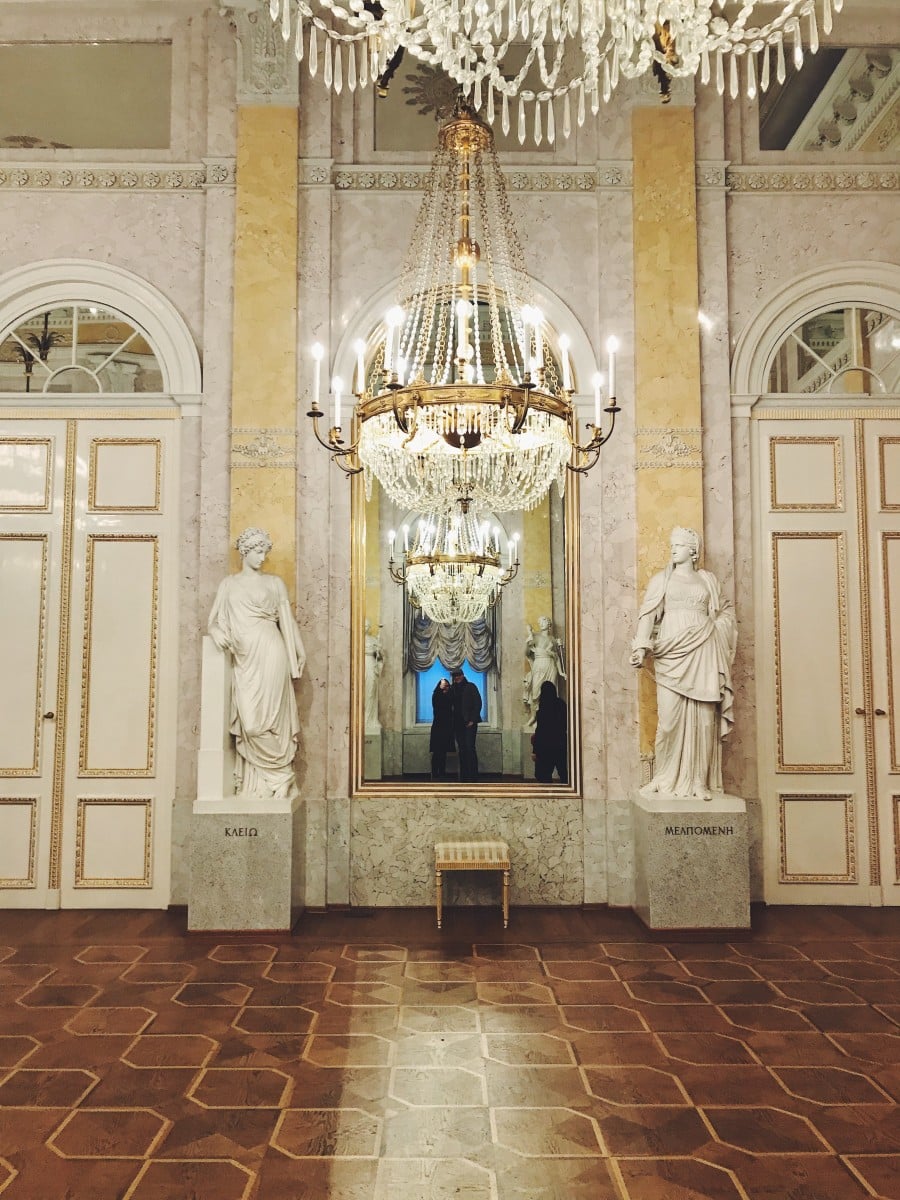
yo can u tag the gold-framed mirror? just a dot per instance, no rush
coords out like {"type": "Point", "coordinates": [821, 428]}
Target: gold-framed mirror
{"type": "Point", "coordinates": [398, 655]}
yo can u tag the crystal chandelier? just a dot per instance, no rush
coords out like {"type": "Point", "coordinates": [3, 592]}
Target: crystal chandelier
{"type": "Point", "coordinates": [453, 572]}
{"type": "Point", "coordinates": [464, 398]}
{"type": "Point", "coordinates": [553, 56]}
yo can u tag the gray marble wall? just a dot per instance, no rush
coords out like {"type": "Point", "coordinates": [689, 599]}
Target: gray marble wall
{"type": "Point", "coordinates": [760, 225]}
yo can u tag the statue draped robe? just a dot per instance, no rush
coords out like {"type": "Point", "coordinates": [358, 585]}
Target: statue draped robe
{"type": "Point", "coordinates": [252, 619]}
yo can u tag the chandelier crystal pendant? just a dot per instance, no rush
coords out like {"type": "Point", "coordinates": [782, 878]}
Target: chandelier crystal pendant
{"type": "Point", "coordinates": [463, 398]}
{"type": "Point", "coordinates": [553, 57]}
{"type": "Point", "coordinates": [453, 572]}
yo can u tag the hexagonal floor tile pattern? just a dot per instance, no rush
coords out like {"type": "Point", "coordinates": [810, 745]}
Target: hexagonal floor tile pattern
{"type": "Point", "coordinates": [384, 1060]}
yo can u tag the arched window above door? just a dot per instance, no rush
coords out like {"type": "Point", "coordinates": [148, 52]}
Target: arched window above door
{"type": "Point", "coordinates": [847, 350]}
{"type": "Point", "coordinates": [78, 348]}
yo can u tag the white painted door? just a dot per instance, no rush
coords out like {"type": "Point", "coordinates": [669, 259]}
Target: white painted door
{"type": "Point", "coordinates": [827, 556]}
{"type": "Point", "coordinates": [88, 547]}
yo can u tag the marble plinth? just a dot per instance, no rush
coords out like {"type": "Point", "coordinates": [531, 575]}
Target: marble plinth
{"type": "Point", "coordinates": [527, 752]}
{"type": "Point", "coordinates": [246, 866]}
{"type": "Point", "coordinates": [692, 864]}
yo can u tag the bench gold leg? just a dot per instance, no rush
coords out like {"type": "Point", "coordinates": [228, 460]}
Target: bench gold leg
{"type": "Point", "coordinates": [439, 889]}
{"type": "Point", "coordinates": [505, 899]}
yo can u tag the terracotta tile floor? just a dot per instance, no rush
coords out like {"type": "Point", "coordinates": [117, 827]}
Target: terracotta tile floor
{"type": "Point", "coordinates": [572, 1057]}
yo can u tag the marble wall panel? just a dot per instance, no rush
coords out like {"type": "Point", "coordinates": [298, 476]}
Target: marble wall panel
{"type": "Point", "coordinates": [392, 847]}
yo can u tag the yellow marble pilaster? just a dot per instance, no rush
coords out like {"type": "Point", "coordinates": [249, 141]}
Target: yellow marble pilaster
{"type": "Point", "coordinates": [667, 347]}
{"type": "Point", "coordinates": [534, 552]}
{"type": "Point", "coordinates": [264, 363]}
{"type": "Point", "coordinates": [374, 550]}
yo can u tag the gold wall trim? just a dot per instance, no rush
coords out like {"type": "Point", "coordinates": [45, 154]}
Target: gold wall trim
{"type": "Point", "coordinates": [882, 442]}
{"type": "Point", "coordinates": [895, 802]}
{"type": "Point", "coordinates": [35, 768]}
{"type": "Point", "coordinates": [143, 881]}
{"type": "Point", "coordinates": [62, 674]}
{"type": "Point", "coordinates": [84, 771]}
{"type": "Point", "coordinates": [760, 413]}
{"type": "Point", "coordinates": [850, 873]}
{"type": "Point", "coordinates": [838, 464]}
{"type": "Point", "coordinates": [846, 765]}
{"type": "Point", "coordinates": [886, 539]}
{"type": "Point", "coordinates": [47, 443]}
{"type": "Point", "coordinates": [865, 616]}
{"type": "Point", "coordinates": [92, 414]}
{"type": "Point", "coordinates": [30, 880]}
{"type": "Point", "coordinates": [93, 506]}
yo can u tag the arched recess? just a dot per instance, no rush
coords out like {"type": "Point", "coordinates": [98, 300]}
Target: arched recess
{"type": "Point", "coordinates": [871, 283]}
{"type": "Point", "coordinates": [60, 281]}
{"type": "Point", "coordinates": [368, 323]}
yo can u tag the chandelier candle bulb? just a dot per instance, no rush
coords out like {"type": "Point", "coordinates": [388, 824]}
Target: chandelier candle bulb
{"type": "Point", "coordinates": [538, 338]}
{"type": "Point", "coordinates": [598, 384]}
{"type": "Point", "coordinates": [360, 347]}
{"type": "Point", "coordinates": [337, 388]}
{"type": "Point", "coordinates": [566, 364]}
{"type": "Point", "coordinates": [318, 353]}
{"type": "Point", "coordinates": [612, 345]}
{"type": "Point", "coordinates": [406, 539]}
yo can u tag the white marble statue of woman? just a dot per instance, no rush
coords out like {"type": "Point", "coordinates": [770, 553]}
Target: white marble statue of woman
{"type": "Point", "coordinates": [689, 629]}
{"type": "Point", "coordinates": [251, 619]}
{"type": "Point", "coordinates": [374, 667]}
{"type": "Point", "coordinates": [545, 653]}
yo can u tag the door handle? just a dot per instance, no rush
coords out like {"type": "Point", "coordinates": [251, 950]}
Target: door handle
{"type": "Point", "coordinates": [49, 716]}
{"type": "Point", "coordinates": [860, 712]}
{"type": "Point", "coordinates": [879, 712]}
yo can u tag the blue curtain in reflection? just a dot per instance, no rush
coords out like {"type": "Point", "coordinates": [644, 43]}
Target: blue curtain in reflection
{"type": "Point", "coordinates": [426, 642]}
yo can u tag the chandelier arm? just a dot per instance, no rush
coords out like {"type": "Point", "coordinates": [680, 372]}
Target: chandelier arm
{"type": "Point", "coordinates": [588, 455]}
{"type": "Point", "coordinates": [334, 444]}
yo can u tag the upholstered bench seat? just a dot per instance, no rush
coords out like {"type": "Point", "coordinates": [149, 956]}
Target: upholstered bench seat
{"type": "Point", "coordinates": [471, 854]}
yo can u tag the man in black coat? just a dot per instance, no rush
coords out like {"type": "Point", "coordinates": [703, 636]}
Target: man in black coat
{"type": "Point", "coordinates": [466, 716]}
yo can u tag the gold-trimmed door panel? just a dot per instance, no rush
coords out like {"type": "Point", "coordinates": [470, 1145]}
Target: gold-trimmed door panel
{"type": "Point", "coordinates": [828, 598]}
{"type": "Point", "coordinates": [87, 741]}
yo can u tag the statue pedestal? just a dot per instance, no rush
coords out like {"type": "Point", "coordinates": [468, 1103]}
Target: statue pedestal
{"type": "Point", "coordinates": [692, 863]}
{"type": "Point", "coordinates": [247, 860]}
{"type": "Point", "coordinates": [527, 750]}
{"type": "Point", "coordinates": [246, 866]}
{"type": "Point", "coordinates": [372, 767]}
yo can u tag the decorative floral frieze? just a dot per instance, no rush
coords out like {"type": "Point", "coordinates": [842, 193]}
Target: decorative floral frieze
{"type": "Point", "coordinates": [190, 177]}
{"type": "Point", "coordinates": [661, 447]}
{"type": "Point", "coordinates": [812, 179]}
{"type": "Point", "coordinates": [252, 447]}
{"type": "Point", "coordinates": [608, 175]}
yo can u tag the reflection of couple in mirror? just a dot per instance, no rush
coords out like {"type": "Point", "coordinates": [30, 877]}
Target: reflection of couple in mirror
{"type": "Point", "coordinates": [251, 619]}
{"type": "Point", "coordinates": [456, 716]}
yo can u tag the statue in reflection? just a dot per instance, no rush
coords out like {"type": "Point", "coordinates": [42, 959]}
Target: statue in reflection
{"type": "Point", "coordinates": [688, 628]}
{"type": "Point", "coordinates": [374, 654]}
{"type": "Point", "coordinates": [252, 621]}
{"type": "Point", "coordinates": [545, 653]}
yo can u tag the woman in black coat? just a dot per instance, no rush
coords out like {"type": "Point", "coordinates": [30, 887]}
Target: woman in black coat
{"type": "Point", "coordinates": [549, 739]}
{"type": "Point", "coordinates": [441, 729]}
